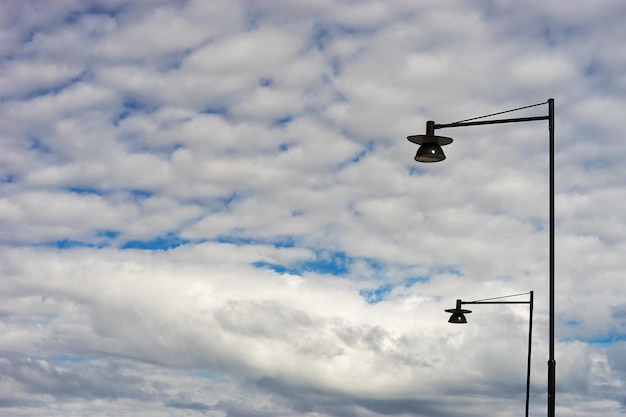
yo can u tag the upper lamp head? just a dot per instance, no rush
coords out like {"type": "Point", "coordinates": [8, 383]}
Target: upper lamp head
{"type": "Point", "coordinates": [458, 315]}
{"type": "Point", "coordinates": [430, 147]}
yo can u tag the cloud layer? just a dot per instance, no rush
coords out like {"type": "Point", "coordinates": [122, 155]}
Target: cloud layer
{"type": "Point", "coordinates": [210, 208]}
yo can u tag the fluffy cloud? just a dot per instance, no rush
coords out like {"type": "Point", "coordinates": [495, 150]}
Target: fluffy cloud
{"type": "Point", "coordinates": [210, 208]}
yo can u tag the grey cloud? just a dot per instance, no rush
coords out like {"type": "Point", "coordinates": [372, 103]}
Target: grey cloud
{"type": "Point", "coordinates": [274, 132]}
{"type": "Point", "coordinates": [85, 381]}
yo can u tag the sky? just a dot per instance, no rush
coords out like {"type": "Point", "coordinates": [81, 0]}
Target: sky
{"type": "Point", "coordinates": [210, 207]}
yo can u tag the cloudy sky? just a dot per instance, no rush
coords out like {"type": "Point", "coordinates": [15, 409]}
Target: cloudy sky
{"type": "Point", "coordinates": [209, 207]}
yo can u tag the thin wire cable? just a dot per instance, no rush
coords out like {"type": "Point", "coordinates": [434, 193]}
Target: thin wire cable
{"type": "Point", "coordinates": [504, 296]}
{"type": "Point", "coordinates": [496, 114]}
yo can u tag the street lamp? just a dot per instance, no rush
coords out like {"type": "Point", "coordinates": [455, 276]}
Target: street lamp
{"type": "Point", "coordinates": [430, 151]}
{"type": "Point", "coordinates": [458, 317]}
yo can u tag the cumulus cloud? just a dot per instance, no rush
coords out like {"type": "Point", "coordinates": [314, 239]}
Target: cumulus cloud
{"type": "Point", "coordinates": [210, 208]}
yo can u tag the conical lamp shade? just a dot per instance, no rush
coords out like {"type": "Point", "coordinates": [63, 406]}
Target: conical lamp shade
{"type": "Point", "coordinates": [430, 152]}
{"type": "Point", "coordinates": [457, 318]}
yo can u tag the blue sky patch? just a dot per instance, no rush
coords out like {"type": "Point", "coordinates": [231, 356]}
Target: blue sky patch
{"type": "Point", "coordinates": [321, 37]}
{"type": "Point", "coordinates": [358, 156]}
{"type": "Point", "coordinates": [278, 242]}
{"type": "Point", "coordinates": [141, 194]}
{"type": "Point", "coordinates": [220, 111]}
{"type": "Point", "coordinates": [36, 144]}
{"type": "Point", "coordinates": [591, 68]}
{"type": "Point", "coordinates": [605, 340]}
{"type": "Point", "coordinates": [71, 244]}
{"type": "Point", "coordinates": [376, 295]}
{"type": "Point", "coordinates": [280, 269]}
{"type": "Point", "coordinates": [55, 89]}
{"type": "Point", "coordinates": [416, 280]}
{"type": "Point", "coordinates": [353, 159]}
{"type": "Point", "coordinates": [374, 264]}
{"type": "Point", "coordinates": [450, 270]}
{"type": "Point", "coordinates": [74, 17]}
{"type": "Point", "coordinates": [239, 240]}
{"type": "Point", "coordinates": [85, 190]}
{"type": "Point", "coordinates": [166, 242]}
{"type": "Point", "coordinates": [107, 234]}
{"type": "Point", "coordinates": [283, 121]}
{"type": "Point", "coordinates": [326, 262]}
{"type": "Point", "coordinates": [284, 242]}
{"type": "Point", "coordinates": [129, 107]}
{"type": "Point", "coordinates": [226, 201]}
{"type": "Point", "coordinates": [414, 171]}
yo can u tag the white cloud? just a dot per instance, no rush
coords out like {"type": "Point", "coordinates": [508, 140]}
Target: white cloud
{"type": "Point", "coordinates": [211, 207]}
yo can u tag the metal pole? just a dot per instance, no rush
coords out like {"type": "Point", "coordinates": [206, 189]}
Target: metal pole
{"type": "Point", "coordinates": [551, 360]}
{"type": "Point", "coordinates": [530, 344]}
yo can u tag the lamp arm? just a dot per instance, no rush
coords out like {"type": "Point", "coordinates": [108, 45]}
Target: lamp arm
{"type": "Point", "coordinates": [495, 302]}
{"type": "Point", "coordinates": [490, 122]}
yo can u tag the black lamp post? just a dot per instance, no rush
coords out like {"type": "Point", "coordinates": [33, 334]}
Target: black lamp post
{"type": "Point", "coordinates": [458, 317]}
{"type": "Point", "coordinates": [430, 151]}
